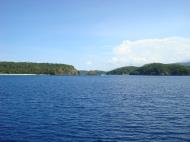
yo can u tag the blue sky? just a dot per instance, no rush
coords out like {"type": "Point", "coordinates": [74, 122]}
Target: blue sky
{"type": "Point", "coordinates": [95, 34]}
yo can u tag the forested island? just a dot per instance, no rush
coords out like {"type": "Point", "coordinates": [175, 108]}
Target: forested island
{"type": "Point", "coordinates": [91, 72]}
{"type": "Point", "coordinates": [153, 69]}
{"type": "Point", "coordinates": [36, 68]}
{"type": "Point", "coordinates": [122, 70]}
{"type": "Point", "coordinates": [64, 69]}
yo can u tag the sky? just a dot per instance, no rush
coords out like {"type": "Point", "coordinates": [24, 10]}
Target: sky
{"type": "Point", "coordinates": [95, 34]}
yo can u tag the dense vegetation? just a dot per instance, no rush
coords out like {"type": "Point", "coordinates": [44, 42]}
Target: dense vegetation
{"type": "Point", "coordinates": [63, 69]}
{"type": "Point", "coordinates": [153, 69]}
{"type": "Point", "coordinates": [162, 69]}
{"type": "Point", "coordinates": [122, 70]}
{"type": "Point", "coordinates": [91, 72]}
{"type": "Point", "coordinates": [36, 68]}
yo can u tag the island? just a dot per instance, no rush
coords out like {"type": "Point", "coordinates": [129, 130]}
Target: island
{"type": "Point", "coordinates": [153, 69]}
{"type": "Point", "coordinates": [37, 68]}
{"type": "Point", "coordinates": [122, 70]}
{"type": "Point", "coordinates": [28, 68]}
{"type": "Point", "coordinates": [91, 72]}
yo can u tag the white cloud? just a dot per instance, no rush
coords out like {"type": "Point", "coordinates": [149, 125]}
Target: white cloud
{"type": "Point", "coordinates": [89, 62]}
{"type": "Point", "coordinates": [139, 52]}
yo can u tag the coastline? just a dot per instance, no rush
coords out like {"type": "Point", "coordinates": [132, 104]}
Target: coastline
{"type": "Point", "coordinates": [4, 74]}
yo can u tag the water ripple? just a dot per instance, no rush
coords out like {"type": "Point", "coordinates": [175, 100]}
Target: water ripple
{"type": "Point", "coordinates": [94, 109]}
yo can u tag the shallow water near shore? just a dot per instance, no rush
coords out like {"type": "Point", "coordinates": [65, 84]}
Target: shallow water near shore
{"type": "Point", "coordinates": [94, 109]}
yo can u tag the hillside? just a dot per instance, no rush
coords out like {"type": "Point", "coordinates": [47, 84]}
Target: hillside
{"type": "Point", "coordinates": [162, 69]}
{"type": "Point", "coordinates": [153, 69]}
{"type": "Point", "coordinates": [122, 70]}
{"type": "Point", "coordinates": [185, 63]}
{"type": "Point", "coordinates": [91, 72]}
{"type": "Point", "coordinates": [36, 68]}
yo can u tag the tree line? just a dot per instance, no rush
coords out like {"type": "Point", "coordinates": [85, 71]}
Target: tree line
{"type": "Point", "coordinates": [36, 68]}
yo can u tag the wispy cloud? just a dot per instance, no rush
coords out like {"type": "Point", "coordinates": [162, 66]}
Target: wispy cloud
{"type": "Point", "coordinates": [165, 50]}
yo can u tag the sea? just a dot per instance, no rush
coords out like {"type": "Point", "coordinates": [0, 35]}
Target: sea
{"type": "Point", "coordinates": [123, 108]}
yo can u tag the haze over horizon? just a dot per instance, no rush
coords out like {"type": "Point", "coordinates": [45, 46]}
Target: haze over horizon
{"type": "Point", "coordinates": [99, 34]}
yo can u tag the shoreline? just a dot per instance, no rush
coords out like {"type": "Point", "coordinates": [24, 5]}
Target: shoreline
{"type": "Point", "coordinates": [4, 74]}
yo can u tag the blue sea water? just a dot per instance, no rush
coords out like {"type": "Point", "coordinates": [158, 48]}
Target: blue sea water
{"type": "Point", "coordinates": [94, 109]}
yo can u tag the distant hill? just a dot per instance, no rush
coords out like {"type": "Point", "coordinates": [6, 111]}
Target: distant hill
{"type": "Point", "coordinates": [122, 70]}
{"type": "Point", "coordinates": [153, 69]}
{"type": "Point", "coordinates": [162, 69]}
{"type": "Point", "coordinates": [91, 72]}
{"type": "Point", "coordinates": [64, 69]}
{"type": "Point", "coordinates": [185, 63]}
{"type": "Point", "coordinates": [36, 68]}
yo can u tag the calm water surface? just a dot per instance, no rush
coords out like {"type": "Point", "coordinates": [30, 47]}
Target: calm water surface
{"type": "Point", "coordinates": [94, 109]}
